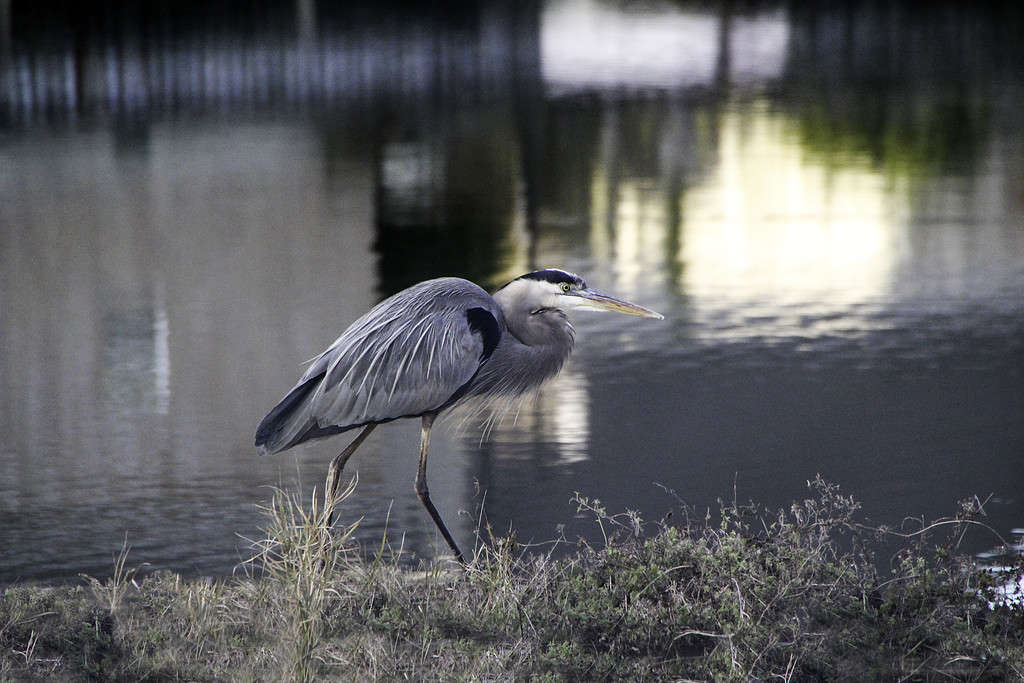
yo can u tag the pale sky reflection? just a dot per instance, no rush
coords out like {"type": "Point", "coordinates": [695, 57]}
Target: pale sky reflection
{"type": "Point", "coordinates": [559, 415]}
{"type": "Point", "coordinates": [773, 228]}
{"type": "Point", "coordinates": [588, 45]}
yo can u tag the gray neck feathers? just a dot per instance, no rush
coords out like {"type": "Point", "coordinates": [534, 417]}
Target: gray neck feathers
{"type": "Point", "coordinates": [535, 343]}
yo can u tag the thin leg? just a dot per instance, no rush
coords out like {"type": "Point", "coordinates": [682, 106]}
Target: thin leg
{"type": "Point", "coordinates": [334, 472]}
{"type": "Point", "coordinates": [424, 493]}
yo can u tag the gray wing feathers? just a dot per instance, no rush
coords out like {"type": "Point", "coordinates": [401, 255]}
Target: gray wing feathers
{"type": "Point", "coordinates": [408, 355]}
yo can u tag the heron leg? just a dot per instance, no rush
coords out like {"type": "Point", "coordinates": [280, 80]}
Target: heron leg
{"type": "Point", "coordinates": [334, 472]}
{"type": "Point", "coordinates": [424, 493]}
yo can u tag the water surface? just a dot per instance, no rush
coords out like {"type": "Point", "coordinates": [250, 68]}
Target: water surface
{"type": "Point", "coordinates": [825, 204]}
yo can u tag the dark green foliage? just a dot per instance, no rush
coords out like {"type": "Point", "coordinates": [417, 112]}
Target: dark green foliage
{"type": "Point", "coordinates": [793, 595]}
{"type": "Point", "coordinates": [42, 628]}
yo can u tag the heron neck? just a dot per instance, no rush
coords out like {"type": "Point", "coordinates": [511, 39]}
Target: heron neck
{"type": "Point", "coordinates": [516, 368]}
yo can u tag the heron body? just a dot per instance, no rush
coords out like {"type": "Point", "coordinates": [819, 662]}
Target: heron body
{"type": "Point", "coordinates": [428, 348]}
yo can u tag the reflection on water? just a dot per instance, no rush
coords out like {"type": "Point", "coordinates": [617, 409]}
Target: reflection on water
{"type": "Point", "coordinates": [826, 204]}
{"type": "Point", "coordinates": [558, 417]}
{"type": "Point", "coordinates": [588, 45]}
{"type": "Point", "coordinates": [773, 225]}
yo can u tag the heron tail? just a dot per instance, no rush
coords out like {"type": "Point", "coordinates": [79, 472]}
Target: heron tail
{"type": "Point", "coordinates": [289, 422]}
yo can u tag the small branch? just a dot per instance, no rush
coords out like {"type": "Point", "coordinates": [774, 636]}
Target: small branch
{"type": "Point", "coordinates": [933, 525]}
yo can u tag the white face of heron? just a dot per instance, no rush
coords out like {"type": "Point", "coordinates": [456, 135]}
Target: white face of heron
{"type": "Point", "coordinates": [529, 296]}
{"type": "Point", "coordinates": [561, 295]}
{"type": "Point", "coordinates": [561, 290]}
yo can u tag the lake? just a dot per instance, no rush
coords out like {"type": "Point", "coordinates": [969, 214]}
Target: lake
{"type": "Point", "coordinates": [826, 203]}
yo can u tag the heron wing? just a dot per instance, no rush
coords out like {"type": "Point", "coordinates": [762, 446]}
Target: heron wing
{"type": "Point", "coordinates": [411, 354]}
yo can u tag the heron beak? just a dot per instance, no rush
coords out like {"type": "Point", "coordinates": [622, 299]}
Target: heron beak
{"type": "Point", "coordinates": [603, 302]}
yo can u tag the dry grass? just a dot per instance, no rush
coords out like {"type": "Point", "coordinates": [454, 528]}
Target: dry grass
{"type": "Point", "coordinates": [793, 595]}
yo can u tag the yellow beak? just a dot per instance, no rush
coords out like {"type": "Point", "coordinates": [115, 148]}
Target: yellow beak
{"type": "Point", "coordinates": [603, 302]}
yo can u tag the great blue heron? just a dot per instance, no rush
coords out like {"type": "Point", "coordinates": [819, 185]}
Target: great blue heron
{"type": "Point", "coordinates": [434, 345]}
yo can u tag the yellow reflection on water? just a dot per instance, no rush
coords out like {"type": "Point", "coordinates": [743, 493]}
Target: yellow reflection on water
{"type": "Point", "coordinates": [559, 415]}
{"type": "Point", "coordinates": [773, 223]}
{"type": "Point", "coordinates": [773, 234]}
{"type": "Point", "coordinates": [641, 217]}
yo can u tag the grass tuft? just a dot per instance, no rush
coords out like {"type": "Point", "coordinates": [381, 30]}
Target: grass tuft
{"type": "Point", "coordinates": [110, 593]}
{"type": "Point", "coordinates": [299, 559]}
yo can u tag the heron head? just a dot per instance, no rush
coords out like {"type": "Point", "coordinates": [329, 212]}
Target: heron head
{"type": "Point", "coordinates": [552, 288]}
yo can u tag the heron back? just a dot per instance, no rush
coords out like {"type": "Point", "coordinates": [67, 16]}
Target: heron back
{"type": "Point", "coordinates": [414, 353]}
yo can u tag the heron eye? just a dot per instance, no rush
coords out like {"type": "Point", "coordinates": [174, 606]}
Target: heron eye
{"type": "Point", "coordinates": [565, 287]}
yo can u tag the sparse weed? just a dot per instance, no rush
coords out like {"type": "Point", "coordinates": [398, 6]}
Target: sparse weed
{"type": "Point", "coordinates": [300, 558]}
{"type": "Point", "coordinates": [111, 593]}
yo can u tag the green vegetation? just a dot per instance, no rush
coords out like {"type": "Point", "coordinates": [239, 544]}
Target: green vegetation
{"type": "Point", "coordinates": [792, 595]}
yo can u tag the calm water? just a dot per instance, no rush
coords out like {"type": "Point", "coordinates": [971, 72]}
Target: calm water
{"type": "Point", "coordinates": [827, 205]}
